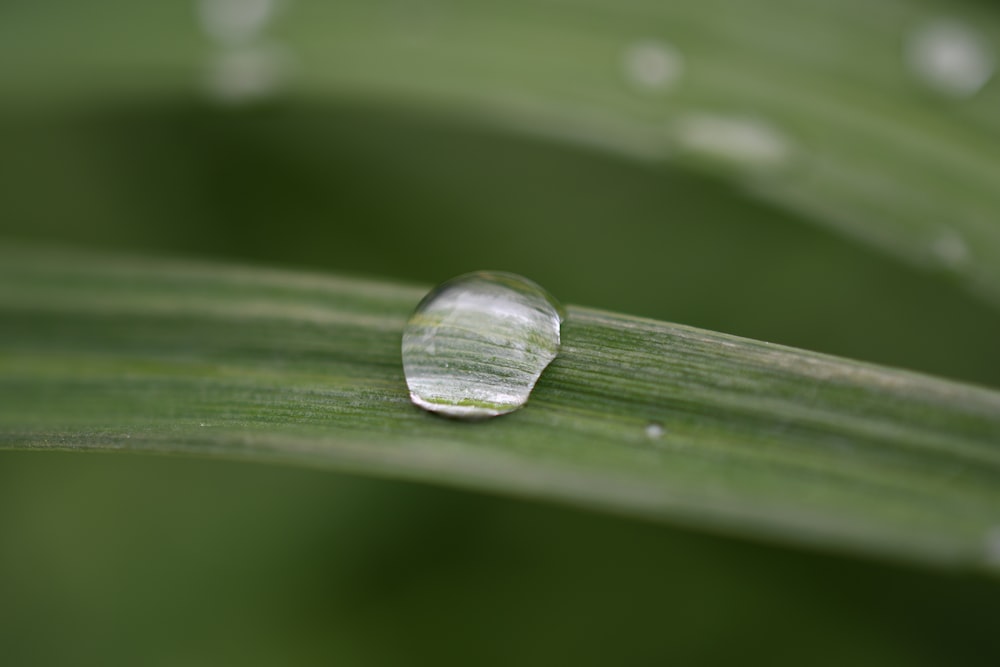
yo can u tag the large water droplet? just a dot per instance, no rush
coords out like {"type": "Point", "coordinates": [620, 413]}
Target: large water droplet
{"type": "Point", "coordinates": [476, 345]}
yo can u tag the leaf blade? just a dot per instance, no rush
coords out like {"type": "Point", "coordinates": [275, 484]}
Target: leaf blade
{"type": "Point", "coordinates": [105, 352]}
{"type": "Point", "coordinates": [873, 152]}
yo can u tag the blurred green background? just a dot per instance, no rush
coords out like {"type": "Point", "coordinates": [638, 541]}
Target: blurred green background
{"type": "Point", "coordinates": [115, 132]}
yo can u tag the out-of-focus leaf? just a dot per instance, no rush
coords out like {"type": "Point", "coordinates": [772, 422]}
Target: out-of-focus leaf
{"type": "Point", "coordinates": [880, 120]}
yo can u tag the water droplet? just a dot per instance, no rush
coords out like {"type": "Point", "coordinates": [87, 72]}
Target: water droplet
{"type": "Point", "coordinates": [476, 345]}
{"type": "Point", "coordinates": [652, 65]}
{"type": "Point", "coordinates": [738, 139]}
{"type": "Point", "coordinates": [992, 548]}
{"type": "Point", "coordinates": [247, 74]}
{"type": "Point", "coordinates": [950, 249]}
{"type": "Point", "coordinates": [234, 21]}
{"type": "Point", "coordinates": [949, 57]}
{"type": "Point", "coordinates": [654, 430]}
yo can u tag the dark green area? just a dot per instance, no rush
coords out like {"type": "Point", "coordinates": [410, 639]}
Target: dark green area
{"type": "Point", "coordinates": [116, 559]}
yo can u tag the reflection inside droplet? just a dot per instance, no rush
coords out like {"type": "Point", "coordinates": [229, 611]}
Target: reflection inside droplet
{"type": "Point", "coordinates": [654, 430]}
{"type": "Point", "coordinates": [652, 65]}
{"type": "Point", "coordinates": [476, 345]}
{"type": "Point", "coordinates": [950, 57]}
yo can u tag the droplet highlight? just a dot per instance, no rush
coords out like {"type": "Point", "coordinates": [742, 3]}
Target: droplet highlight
{"type": "Point", "coordinates": [477, 344]}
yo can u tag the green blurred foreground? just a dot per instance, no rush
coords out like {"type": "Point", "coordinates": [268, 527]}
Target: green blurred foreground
{"type": "Point", "coordinates": [115, 559]}
{"type": "Point", "coordinates": [132, 560]}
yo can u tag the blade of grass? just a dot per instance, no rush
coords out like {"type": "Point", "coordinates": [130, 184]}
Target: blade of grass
{"type": "Point", "coordinates": [635, 416]}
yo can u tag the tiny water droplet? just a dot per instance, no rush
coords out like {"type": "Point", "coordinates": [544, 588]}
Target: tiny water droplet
{"type": "Point", "coordinates": [652, 65]}
{"type": "Point", "coordinates": [992, 548]}
{"type": "Point", "coordinates": [654, 430]}
{"type": "Point", "coordinates": [476, 344]}
{"type": "Point", "coordinates": [740, 140]}
{"type": "Point", "coordinates": [247, 74]}
{"type": "Point", "coordinates": [950, 249]}
{"type": "Point", "coordinates": [949, 57]}
{"type": "Point", "coordinates": [234, 21]}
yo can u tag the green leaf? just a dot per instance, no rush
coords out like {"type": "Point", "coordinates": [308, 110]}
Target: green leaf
{"type": "Point", "coordinates": [634, 416]}
{"type": "Point", "coordinates": [813, 106]}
